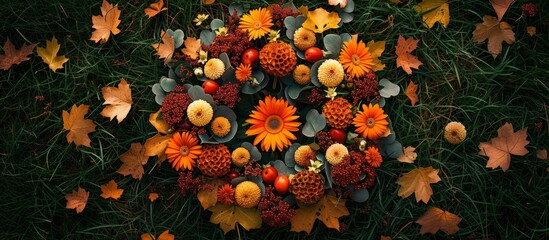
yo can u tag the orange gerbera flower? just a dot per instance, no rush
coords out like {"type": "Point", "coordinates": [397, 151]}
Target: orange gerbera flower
{"type": "Point", "coordinates": [371, 122]}
{"type": "Point", "coordinates": [257, 23]}
{"type": "Point", "coordinates": [356, 58]}
{"type": "Point", "coordinates": [182, 150]}
{"type": "Point", "coordinates": [243, 72]}
{"type": "Point", "coordinates": [373, 157]}
{"type": "Point", "coordinates": [273, 123]}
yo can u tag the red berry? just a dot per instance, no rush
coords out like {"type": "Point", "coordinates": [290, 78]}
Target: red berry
{"type": "Point", "coordinates": [232, 175]}
{"type": "Point", "coordinates": [210, 86]}
{"type": "Point", "coordinates": [250, 56]}
{"type": "Point", "coordinates": [269, 175]}
{"type": "Point", "coordinates": [282, 184]}
{"type": "Point", "coordinates": [338, 135]}
{"type": "Point", "coordinates": [313, 54]}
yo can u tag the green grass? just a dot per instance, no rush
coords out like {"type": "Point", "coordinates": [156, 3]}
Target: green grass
{"type": "Point", "coordinates": [459, 81]}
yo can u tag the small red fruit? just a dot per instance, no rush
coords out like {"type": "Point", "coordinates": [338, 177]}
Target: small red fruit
{"type": "Point", "coordinates": [250, 56]}
{"type": "Point", "coordinates": [338, 135]}
{"type": "Point", "coordinates": [210, 86]}
{"type": "Point", "coordinates": [282, 184]}
{"type": "Point", "coordinates": [269, 175]}
{"type": "Point", "coordinates": [232, 175]}
{"type": "Point", "coordinates": [313, 54]}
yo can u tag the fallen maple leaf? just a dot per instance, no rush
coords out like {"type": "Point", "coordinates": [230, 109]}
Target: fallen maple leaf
{"type": "Point", "coordinates": [342, 3]}
{"type": "Point", "coordinates": [192, 47]}
{"type": "Point", "coordinates": [321, 20]}
{"type": "Point", "coordinates": [418, 181]}
{"type": "Point", "coordinates": [501, 6]}
{"type": "Point", "coordinates": [437, 219]}
{"type": "Point", "coordinates": [500, 148]}
{"type": "Point", "coordinates": [405, 60]}
{"type": "Point", "coordinates": [434, 11]}
{"type": "Point", "coordinates": [49, 55]}
{"type": "Point", "coordinates": [541, 154]}
{"type": "Point", "coordinates": [227, 216]}
{"type": "Point", "coordinates": [119, 101]}
{"type": "Point", "coordinates": [328, 210]}
{"type": "Point", "coordinates": [163, 236]}
{"type": "Point", "coordinates": [531, 30]}
{"type": "Point", "coordinates": [111, 190]}
{"type": "Point", "coordinates": [159, 123]}
{"type": "Point", "coordinates": [496, 32]}
{"type": "Point", "coordinates": [208, 2]}
{"type": "Point", "coordinates": [78, 126]}
{"type": "Point", "coordinates": [385, 238]}
{"type": "Point", "coordinates": [156, 146]}
{"type": "Point", "coordinates": [376, 49]}
{"type": "Point", "coordinates": [166, 48]}
{"type": "Point", "coordinates": [208, 196]}
{"type": "Point", "coordinates": [408, 155]}
{"type": "Point", "coordinates": [133, 161]}
{"type": "Point", "coordinates": [106, 23]}
{"type": "Point", "coordinates": [155, 8]}
{"type": "Point", "coordinates": [411, 92]}
{"type": "Point", "coordinates": [13, 56]}
{"type": "Point", "coordinates": [153, 196]}
{"type": "Point", "coordinates": [77, 199]}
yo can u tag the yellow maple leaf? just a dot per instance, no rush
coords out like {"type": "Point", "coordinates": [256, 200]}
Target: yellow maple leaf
{"type": "Point", "coordinates": [208, 196]}
{"type": "Point", "coordinates": [77, 199]}
{"type": "Point", "coordinates": [133, 161]}
{"type": "Point", "coordinates": [159, 123]}
{"type": "Point", "coordinates": [78, 126]}
{"type": "Point", "coordinates": [156, 146]}
{"type": "Point", "coordinates": [321, 20]}
{"type": "Point", "coordinates": [119, 101]}
{"type": "Point", "coordinates": [166, 48]}
{"type": "Point", "coordinates": [227, 216]}
{"type": "Point", "coordinates": [418, 181]}
{"type": "Point", "coordinates": [111, 190]}
{"type": "Point", "coordinates": [49, 55]}
{"type": "Point", "coordinates": [496, 32]}
{"type": "Point", "coordinates": [411, 92]}
{"type": "Point", "coordinates": [155, 8]}
{"type": "Point", "coordinates": [163, 236]}
{"type": "Point", "coordinates": [434, 11]}
{"type": "Point", "coordinates": [437, 219]}
{"type": "Point", "coordinates": [500, 148]}
{"type": "Point", "coordinates": [376, 49]}
{"type": "Point", "coordinates": [408, 155]}
{"type": "Point", "coordinates": [328, 210]}
{"type": "Point", "coordinates": [192, 47]}
{"type": "Point", "coordinates": [106, 23]}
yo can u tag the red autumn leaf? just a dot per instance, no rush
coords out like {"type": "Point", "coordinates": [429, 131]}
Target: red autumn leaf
{"type": "Point", "coordinates": [405, 60]}
{"type": "Point", "coordinates": [418, 181]}
{"type": "Point", "coordinates": [133, 160]}
{"type": "Point", "coordinates": [13, 56]}
{"type": "Point", "coordinates": [111, 190]}
{"type": "Point", "coordinates": [501, 6]}
{"type": "Point", "coordinates": [499, 149]}
{"type": "Point", "coordinates": [437, 219]}
{"type": "Point", "coordinates": [155, 8]}
{"type": "Point", "coordinates": [119, 101]}
{"type": "Point", "coordinates": [411, 92]}
{"type": "Point", "coordinates": [166, 48]}
{"type": "Point", "coordinates": [77, 199]}
{"type": "Point", "coordinates": [78, 126]}
{"type": "Point", "coordinates": [106, 23]}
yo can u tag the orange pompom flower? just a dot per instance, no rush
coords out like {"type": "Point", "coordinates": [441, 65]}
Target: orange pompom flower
{"type": "Point", "coordinates": [182, 150]}
{"type": "Point", "coordinates": [356, 59]}
{"type": "Point", "coordinates": [243, 72]}
{"type": "Point", "coordinates": [373, 157]}
{"type": "Point", "coordinates": [257, 23]}
{"type": "Point", "coordinates": [371, 122]}
{"type": "Point", "coordinates": [272, 122]}
{"type": "Point", "coordinates": [225, 194]}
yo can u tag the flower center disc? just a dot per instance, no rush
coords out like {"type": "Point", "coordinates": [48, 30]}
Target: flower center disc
{"type": "Point", "coordinates": [184, 150]}
{"type": "Point", "coordinates": [371, 122]}
{"type": "Point", "coordinates": [274, 124]}
{"type": "Point", "coordinates": [355, 59]}
{"type": "Point", "coordinates": [257, 25]}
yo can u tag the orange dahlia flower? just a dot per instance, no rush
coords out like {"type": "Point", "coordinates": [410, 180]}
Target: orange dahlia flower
{"type": "Point", "coordinates": [182, 150]}
{"type": "Point", "coordinates": [243, 72]}
{"type": "Point", "coordinates": [373, 157]}
{"type": "Point", "coordinates": [272, 122]}
{"type": "Point", "coordinates": [257, 23]}
{"type": "Point", "coordinates": [356, 59]}
{"type": "Point", "coordinates": [371, 122]}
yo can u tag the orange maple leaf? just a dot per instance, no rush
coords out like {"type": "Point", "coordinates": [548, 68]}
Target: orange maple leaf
{"type": "Point", "coordinates": [77, 199]}
{"type": "Point", "coordinates": [78, 126]}
{"type": "Point", "coordinates": [408, 155]}
{"type": "Point", "coordinates": [49, 55]}
{"type": "Point", "coordinates": [12, 56]}
{"type": "Point", "coordinates": [192, 47]}
{"type": "Point", "coordinates": [106, 23]}
{"type": "Point", "coordinates": [541, 154]}
{"type": "Point", "coordinates": [166, 48]}
{"type": "Point", "coordinates": [411, 92]}
{"type": "Point", "coordinates": [208, 2]}
{"type": "Point", "coordinates": [119, 101]}
{"type": "Point", "coordinates": [328, 210]}
{"type": "Point", "coordinates": [227, 216]}
{"type": "Point", "coordinates": [133, 161]}
{"type": "Point", "coordinates": [437, 219]}
{"type": "Point", "coordinates": [496, 32]}
{"type": "Point", "coordinates": [153, 196]}
{"type": "Point", "coordinates": [159, 123]}
{"type": "Point", "coordinates": [111, 190]}
{"type": "Point", "coordinates": [155, 8]}
{"type": "Point", "coordinates": [418, 181]}
{"type": "Point", "coordinates": [501, 6]}
{"type": "Point", "coordinates": [163, 236]}
{"type": "Point", "coordinates": [500, 148]}
{"type": "Point", "coordinates": [405, 60]}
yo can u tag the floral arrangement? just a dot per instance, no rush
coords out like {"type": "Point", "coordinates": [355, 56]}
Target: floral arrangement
{"type": "Point", "coordinates": [273, 115]}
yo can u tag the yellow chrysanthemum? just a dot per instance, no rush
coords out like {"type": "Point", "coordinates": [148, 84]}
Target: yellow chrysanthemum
{"type": "Point", "coordinates": [214, 68]}
{"type": "Point", "coordinates": [257, 23]}
{"type": "Point", "coordinates": [302, 74]}
{"type": "Point", "coordinates": [455, 132]}
{"type": "Point", "coordinates": [247, 194]}
{"type": "Point", "coordinates": [335, 153]}
{"type": "Point", "coordinates": [200, 112]}
{"type": "Point", "coordinates": [330, 73]}
{"type": "Point", "coordinates": [304, 38]}
{"type": "Point", "coordinates": [356, 59]}
{"type": "Point", "coordinates": [240, 156]}
{"type": "Point", "coordinates": [221, 126]}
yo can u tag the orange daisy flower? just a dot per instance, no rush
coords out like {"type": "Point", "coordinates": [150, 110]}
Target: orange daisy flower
{"type": "Point", "coordinates": [182, 150]}
{"type": "Point", "coordinates": [373, 157]}
{"type": "Point", "coordinates": [371, 122]}
{"type": "Point", "coordinates": [273, 123]}
{"type": "Point", "coordinates": [356, 59]}
{"type": "Point", "coordinates": [257, 23]}
{"type": "Point", "coordinates": [243, 72]}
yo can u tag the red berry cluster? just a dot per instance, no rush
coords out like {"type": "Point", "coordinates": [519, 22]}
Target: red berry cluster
{"type": "Point", "coordinates": [530, 9]}
{"type": "Point", "coordinates": [253, 169]}
{"type": "Point", "coordinates": [365, 88]}
{"type": "Point", "coordinates": [324, 140]}
{"type": "Point", "coordinates": [187, 183]}
{"type": "Point", "coordinates": [274, 211]}
{"type": "Point", "coordinates": [316, 97]}
{"type": "Point", "coordinates": [279, 13]}
{"type": "Point", "coordinates": [174, 106]}
{"type": "Point", "coordinates": [227, 95]}
{"type": "Point", "coordinates": [348, 172]}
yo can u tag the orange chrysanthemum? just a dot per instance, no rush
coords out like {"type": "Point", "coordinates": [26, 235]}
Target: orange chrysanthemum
{"type": "Point", "coordinates": [182, 150]}
{"type": "Point", "coordinates": [371, 122]}
{"type": "Point", "coordinates": [373, 157]}
{"type": "Point", "coordinates": [356, 59]}
{"type": "Point", "coordinates": [257, 23]}
{"type": "Point", "coordinates": [272, 122]}
{"type": "Point", "coordinates": [243, 72]}
{"type": "Point", "coordinates": [225, 194]}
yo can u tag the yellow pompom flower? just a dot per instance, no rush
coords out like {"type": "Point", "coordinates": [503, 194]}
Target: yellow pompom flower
{"type": "Point", "coordinates": [331, 73]}
{"type": "Point", "coordinates": [247, 194]}
{"type": "Point", "coordinates": [214, 68]}
{"type": "Point", "coordinates": [200, 112]}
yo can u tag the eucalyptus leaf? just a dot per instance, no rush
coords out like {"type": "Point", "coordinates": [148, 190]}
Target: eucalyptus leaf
{"type": "Point", "coordinates": [308, 130]}
{"type": "Point", "coordinates": [389, 89]}
{"type": "Point", "coordinates": [225, 59]}
{"type": "Point", "coordinates": [290, 24]}
{"type": "Point", "coordinates": [207, 37]}
{"type": "Point", "coordinates": [350, 6]}
{"type": "Point", "coordinates": [171, 74]}
{"type": "Point", "coordinates": [254, 152]}
{"type": "Point", "coordinates": [346, 17]}
{"type": "Point", "coordinates": [317, 120]}
{"type": "Point", "coordinates": [157, 89]}
{"type": "Point", "coordinates": [159, 99]}
{"type": "Point", "coordinates": [167, 84]}
{"type": "Point", "coordinates": [178, 36]}
{"type": "Point", "coordinates": [314, 72]}
{"type": "Point", "coordinates": [360, 195]}
{"type": "Point", "coordinates": [346, 37]}
{"type": "Point", "coordinates": [238, 180]}
{"type": "Point", "coordinates": [289, 157]}
{"type": "Point", "coordinates": [393, 150]}
{"type": "Point", "coordinates": [236, 7]}
{"type": "Point", "coordinates": [216, 24]}
{"type": "Point", "coordinates": [333, 43]}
